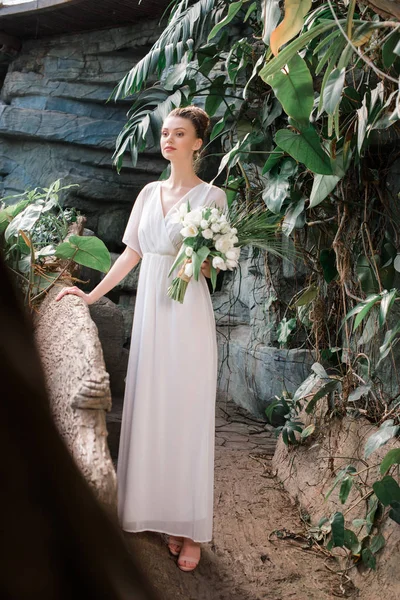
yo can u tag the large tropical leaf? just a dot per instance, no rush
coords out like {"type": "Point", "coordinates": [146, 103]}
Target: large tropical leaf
{"type": "Point", "coordinates": [295, 11]}
{"type": "Point", "coordinates": [88, 251]}
{"type": "Point", "coordinates": [147, 113]}
{"type": "Point", "coordinates": [385, 432]}
{"type": "Point", "coordinates": [293, 86]}
{"type": "Point", "coordinates": [233, 10]}
{"type": "Point", "coordinates": [305, 147]}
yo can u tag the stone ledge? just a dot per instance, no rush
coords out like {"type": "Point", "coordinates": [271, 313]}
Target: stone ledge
{"type": "Point", "coordinates": [78, 387]}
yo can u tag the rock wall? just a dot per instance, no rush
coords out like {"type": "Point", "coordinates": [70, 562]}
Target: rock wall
{"type": "Point", "coordinates": [78, 387]}
{"type": "Point", "coordinates": [308, 473]}
{"type": "Point", "coordinates": [55, 122]}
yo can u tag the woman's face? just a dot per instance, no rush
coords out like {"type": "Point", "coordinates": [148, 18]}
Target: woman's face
{"type": "Point", "coordinates": [179, 139]}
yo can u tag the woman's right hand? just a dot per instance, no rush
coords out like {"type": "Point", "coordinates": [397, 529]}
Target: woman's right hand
{"type": "Point", "coordinates": [76, 292]}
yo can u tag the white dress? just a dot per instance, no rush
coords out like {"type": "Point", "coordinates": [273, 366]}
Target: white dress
{"type": "Point", "coordinates": [166, 453]}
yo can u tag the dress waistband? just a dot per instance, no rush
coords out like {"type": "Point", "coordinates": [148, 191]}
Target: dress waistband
{"type": "Point", "coordinates": [159, 254]}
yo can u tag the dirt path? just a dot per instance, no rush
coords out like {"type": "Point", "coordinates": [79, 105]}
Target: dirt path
{"type": "Point", "coordinates": [242, 563]}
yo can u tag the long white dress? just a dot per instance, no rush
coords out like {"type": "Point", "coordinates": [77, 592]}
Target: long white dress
{"type": "Point", "coordinates": [166, 453]}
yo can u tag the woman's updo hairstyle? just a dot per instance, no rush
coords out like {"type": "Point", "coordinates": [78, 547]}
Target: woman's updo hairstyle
{"type": "Point", "coordinates": [200, 120]}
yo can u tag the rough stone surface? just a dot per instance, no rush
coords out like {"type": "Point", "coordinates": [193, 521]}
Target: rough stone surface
{"type": "Point", "coordinates": [308, 473]}
{"type": "Point", "coordinates": [245, 560]}
{"type": "Point", "coordinates": [55, 122]}
{"type": "Point", "coordinates": [253, 374]}
{"type": "Point", "coordinates": [78, 386]}
{"type": "Point", "coordinates": [252, 369]}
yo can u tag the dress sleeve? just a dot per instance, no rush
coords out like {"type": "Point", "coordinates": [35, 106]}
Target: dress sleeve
{"type": "Point", "coordinates": [218, 198]}
{"type": "Point", "coordinates": [131, 237]}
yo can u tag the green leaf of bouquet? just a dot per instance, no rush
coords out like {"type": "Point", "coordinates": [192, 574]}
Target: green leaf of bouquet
{"type": "Point", "coordinates": [87, 251]}
{"type": "Point", "coordinates": [198, 257]}
{"type": "Point", "coordinates": [293, 86]}
{"type": "Point", "coordinates": [306, 148]}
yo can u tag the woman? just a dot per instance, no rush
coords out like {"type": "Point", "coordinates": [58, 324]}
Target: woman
{"type": "Point", "coordinates": [166, 456]}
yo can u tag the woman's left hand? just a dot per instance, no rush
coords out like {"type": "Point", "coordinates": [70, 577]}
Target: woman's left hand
{"type": "Point", "coordinates": [205, 268]}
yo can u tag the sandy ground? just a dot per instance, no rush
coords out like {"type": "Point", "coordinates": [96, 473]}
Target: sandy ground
{"type": "Point", "coordinates": [245, 560]}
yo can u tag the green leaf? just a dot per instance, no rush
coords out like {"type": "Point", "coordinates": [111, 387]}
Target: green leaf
{"type": "Point", "coordinates": [351, 542]}
{"type": "Point", "coordinates": [388, 54]}
{"type": "Point", "coordinates": [307, 431]}
{"type": "Point", "coordinates": [387, 490]}
{"type": "Point", "coordinates": [215, 95]}
{"type": "Point", "coordinates": [217, 129]}
{"type": "Point", "coordinates": [323, 185]}
{"type": "Point", "coordinates": [294, 217]}
{"type": "Point", "coordinates": [395, 512]}
{"type": "Point", "coordinates": [327, 258]}
{"type": "Point", "coordinates": [307, 296]}
{"type": "Point", "coordinates": [387, 301]}
{"type": "Point", "coordinates": [291, 49]}
{"type": "Point", "coordinates": [391, 458]}
{"type": "Point", "coordinates": [213, 272]}
{"type": "Point", "coordinates": [25, 220]}
{"type": "Point", "coordinates": [198, 258]}
{"type": "Point", "coordinates": [373, 505]}
{"type": "Point", "coordinates": [252, 8]}
{"type": "Point", "coordinates": [284, 330]}
{"type": "Point", "coordinates": [361, 308]}
{"type": "Point", "coordinates": [377, 543]}
{"type": "Point", "coordinates": [293, 87]}
{"type": "Point", "coordinates": [305, 388]}
{"type": "Point", "coordinates": [345, 489]}
{"type": "Point", "coordinates": [368, 558]}
{"type": "Point", "coordinates": [87, 251]}
{"type": "Point", "coordinates": [233, 9]}
{"type": "Point", "coordinates": [343, 474]}
{"type": "Point", "coordinates": [385, 433]}
{"type": "Point", "coordinates": [277, 185]}
{"type": "Point", "coordinates": [364, 311]}
{"type": "Point", "coordinates": [306, 148]}
{"type": "Point", "coordinates": [273, 159]}
{"type": "Point", "coordinates": [337, 522]}
{"type": "Point", "coordinates": [388, 342]}
{"type": "Point", "coordinates": [333, 90]}
{"type": "Point", "coordinates": [329, 387]}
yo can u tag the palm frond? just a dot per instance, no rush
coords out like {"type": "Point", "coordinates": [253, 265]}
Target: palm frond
{"type": "Point", "coordinates": [260, 228]}
{"type": "Point", "coordinates": [145, 116]}
{"type": "Point", "coordinates": [187, 26]}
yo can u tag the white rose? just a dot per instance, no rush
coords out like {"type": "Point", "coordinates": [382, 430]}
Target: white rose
{"type": "Point", "coordinates": [234, 230]}
{"type": "Point", "coordinates": [207, 233]}
{"type": "Point", "coordinates": [235, 239]}
{"type": "Point", "coordinates": [222, 219]}
{"type": "Point", "coordinates": [215, 212]}
{"type": "Point", "coordinates": [215, 227]}
{"type": "Point", "coordinates": [189, 251]}
{"type": "Point", "coordinates": [189, 231]}
{"type": "Point", "coordinates": [213, 219]}
{"type": "Point", "coordinates": [189, 269]}
{"type": "Point", "coordinates": [233, 254]}
{"type": "Point", "coordinates": [224, 244]}
{"type": "Point", "coordinates": [225, 228]}
{"type": "Point", "coordinates": [231, 264]}
{"type": "Point", "coordinates": [219, 263]}
{"type": "Point", "coordinates": [194, 217]}
{"type": "Point", "coordinates": [204, 224]}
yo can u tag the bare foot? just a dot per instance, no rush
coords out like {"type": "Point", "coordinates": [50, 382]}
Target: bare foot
{"type": "Point", "coordinates": [189, 556]}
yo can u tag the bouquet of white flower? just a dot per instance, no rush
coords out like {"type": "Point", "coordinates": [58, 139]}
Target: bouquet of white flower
{"type": "Point", "coordinates": [206, 234]}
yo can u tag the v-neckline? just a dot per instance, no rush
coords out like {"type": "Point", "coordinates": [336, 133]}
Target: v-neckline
{"type": "Point", "coordinates": [178, 202]}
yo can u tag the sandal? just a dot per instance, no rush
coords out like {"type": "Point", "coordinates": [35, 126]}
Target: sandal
{"type": "Point", "coordinates": [188, 559]}
{"type": "Point", "coordinates": [174, 545]}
